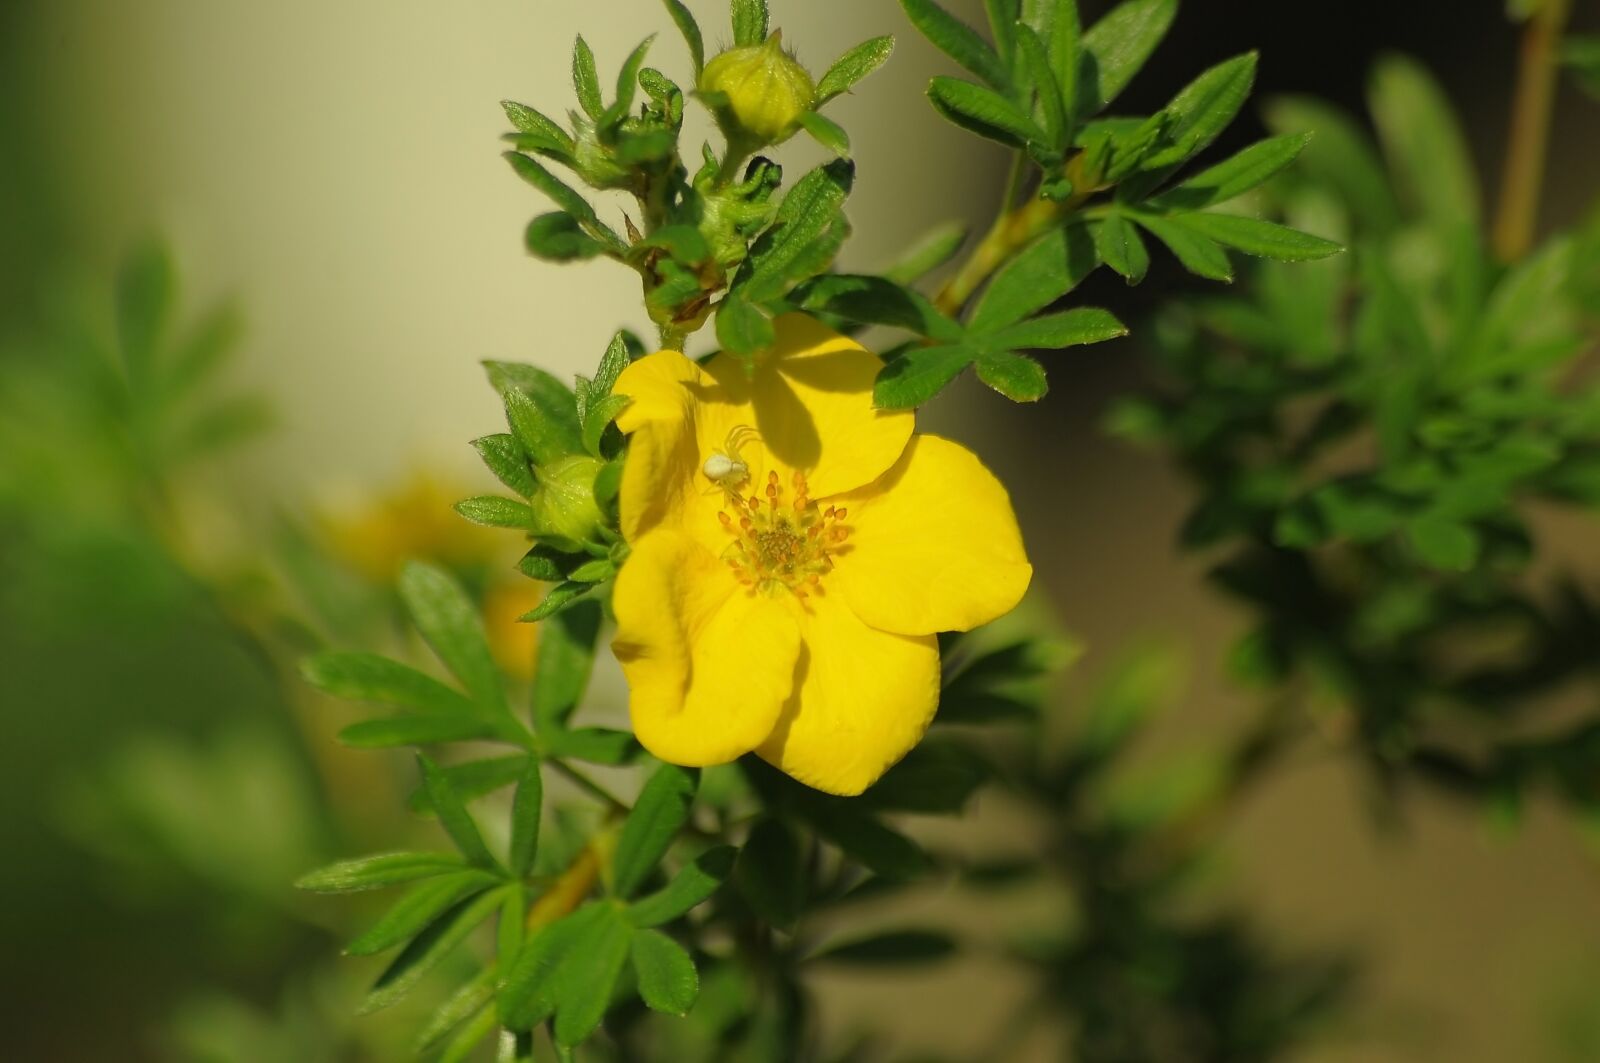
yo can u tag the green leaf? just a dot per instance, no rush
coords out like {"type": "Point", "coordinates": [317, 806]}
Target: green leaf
{"type": "Point", "coordinates": [612, 363]}
{"type": "Point", "coordinates": [668, 981]}
{"type": "Point", "coordinates": [1057, 23]}
{"type": "Point", "coordinates": [867, 841]}
{"type": "Point", "coordinates": [1040, 274]}
{"type": "Point", "coordinates": [1204, 109]}
{"type": "Point", "coordinates": [512, 924]}
{"type": "Point", "coordinates": [1233, 177]}
{"type": "Point", "coordinates": [544, 130]}
{"type": "Point", "coordinates": [688, 889]}
{"type": "Point", "coordinates": [453, 815]}
{"type": "Point", "coordinates": [627, 84]}
{"type": "Point", "coordinates": [478, 1029]}
{"type": "Point", "coordinates": [460, 1006]}
{"type": "Point", "coordinates": [1199, 254]}
{"type": "Point", "coordinates": [741, 328]}
{"type": "Point", "coordinates": [935, 249]}
{"type": "Point", "coordinates": [1116, 47]}
{"type": "Point", "coordinates": [827, 132]}
{"type": "Point", "coordinates": [416, 731]}
{"type": "Point", "coordinates": [1255, 236]}
{"type": "Point", "coordinates": [771, 873]}
{"type": "Point", "coordinates": [541, 411]}
{"type": "Point", "coordinates": [527, 997]}
{"type": "Point", "coordinates": [421, 905]}
{"type": "Point", "coordinates": [659, 813]}
{"type": "Point", "coordinates": [598, 418]}
{"type": "Point", "coordinates": [557, 599]}
{"type": "Point", "coordinates": [474, 778]}
{"type": "Point", "coordinates": [690, 29]}
{"type": "Point", "coordinates": [586, 80]}
{"type": "Point", "coordinates": [369, 677]}
{"type": "Point", "coordinates": [492, 511]}
{"type": "Point", "coordinates": [505, 458]}
{"type": "Point", "coordinates": [918, 375]}
{"type": "Point", "coordinates": [565, 659]}
{"type": "Point", "coordinates": [958, 40]}
{"type": "Point", "coordinates": [1120, 247]}
{"type": "Point", "coordinates": [1423, 142]}
{"type": "Point", "coordinates": [1340, 156]}
{"type": "Point", "coordinates": [876, 301]}
{"type": "Point", "coordinates": [567, 199]}
{"type": "Point", "coordinates": [597, 745]}
{"type": "Point", "coordinates": [379, 871]}
{"type": "Point", "coordinates": [1444, 544]}
{"type": "Point", "coordinates": [852, 66]}
{"type": "Point", "coordinates": [449, 622]}
{"type": "Point", "coordinates": [984, 112]}
{"type": "Point", "coordinates": [892, 948]}
{"type": "Point", "coordinates": [1016, 376]}
{"type": "Point", "coordinates": [749, 22]}
{"type": "Point", "coordinates": [526, 807]}
{"type": "Point", "coordinates": [1054, 331]}
{"type": "Point", "coordinates": [204, 350]}
{"type": "Point", "coordinates": [146, 292]}
{"type": "Point", "coordinates": [804, 218]}
{"type": "Point", "coordinates": [588, 977]}
{"type": "Point", "coordinates": [559, 237]}
{"type": "Point", "coordinates": [1003, 15]}
{"type": "Point", "coordinates": [1052, 107]}
{"type": "Point", "coordinates": [428, 948]}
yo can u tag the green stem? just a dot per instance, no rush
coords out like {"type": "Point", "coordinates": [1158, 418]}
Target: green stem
{"type": "Point", "coordinates": [673, 337]}
{"type": "Point", "coordinates": [1529, 142]}
{"type": "Point", "coordinates": [1012, 231]}
{"type": "Point", "coordinates": [611, 800]}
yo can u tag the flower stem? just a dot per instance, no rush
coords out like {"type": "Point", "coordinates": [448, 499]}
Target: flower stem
{"type": "Point", "coordinates": [1530, 130]}
{"type": "Point", "coordinates": [609, 799]}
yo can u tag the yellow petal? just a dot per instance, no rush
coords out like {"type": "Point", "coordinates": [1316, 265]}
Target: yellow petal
{"type": "Point", "coordinates": [709, 665]}
{"type": "Point", "coordinates": [865, 698]}
{"type": "Point", "coordinates": [663, 387]}
{"type": "Point", "coordinates": [812, 401]}
{"type": "Point", "coordinates": [933, 546]}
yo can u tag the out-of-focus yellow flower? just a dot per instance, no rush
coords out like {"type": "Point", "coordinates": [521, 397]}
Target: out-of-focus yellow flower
{"type": "Point", "coordinates": [510, 640]}
{"type": "Point", "coordinates": [758, 93]}
{"type": "Point", "coordinates": [794, 552]}
{"type": "Point", "coordinates": [416, 520]}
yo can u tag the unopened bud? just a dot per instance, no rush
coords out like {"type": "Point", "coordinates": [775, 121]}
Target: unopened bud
{"type": "Point", "coordinates": [759, 92]}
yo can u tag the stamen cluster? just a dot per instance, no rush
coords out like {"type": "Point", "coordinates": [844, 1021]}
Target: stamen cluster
{"type": "Point", "coordinates": [782, 545]}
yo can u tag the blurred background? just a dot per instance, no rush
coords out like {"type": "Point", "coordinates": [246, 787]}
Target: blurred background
{"type": "Point", "coordinates": [327, 181]}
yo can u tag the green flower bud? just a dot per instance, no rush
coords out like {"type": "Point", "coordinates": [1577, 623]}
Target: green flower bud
{"type": "Point", "coordinates": [759, 93]}
{"type": "Point", "coordinates": [564, 507]}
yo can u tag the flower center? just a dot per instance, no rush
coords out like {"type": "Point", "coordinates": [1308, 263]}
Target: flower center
{"type": "Point", "coordinates": [787, 545]}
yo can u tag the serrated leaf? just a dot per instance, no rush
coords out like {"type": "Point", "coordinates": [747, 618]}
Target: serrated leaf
{"type": "Point", "coordinates": [369, 677]}
{"type": "Point", "coordinates": [690, 887]}
{"type": "Point", "coordinates": [420, 906]}
{"type": "Point", "coordinates": [1016, 376]}
{"type": "Point", "coordinates": [565, 659]}
{"type": "Point", "coordinates": [1116, 47]}
{"type": "Point", "coordinates": [1233, 177]}
{"type": "Point", "coordinates": [684, 20]}
{"type": "Point", "coordinates": [559, 237]}
{"type": "Point", "coordinates": [416, 731]}
{"type": "Point", "coordinates": [504, 457]}
{"type": "Point", "coordinates": [918, 375]}
{"type": "Point", "coordinates": [984, 112]}
{"type": "Point", "coordinates": [1256, 236]}
{"type": "Point", "coordinates": [749, 21]}
{"type": "Point", "coordinates": [1040, 274]}
{"type": "Point", "coordinates": [668, 981]}
{"type": "Point", "coordinates": [586, 79]}
{"type": "Point", "coordinates": [852, 66]}
{"type": "Point", "coordinates": [1199, 254]}
{"type": "Point", "coordinates": [1423, 143]}
{"type": "Point", "coordinates": [379, 871]}
{"type": "Point", "coordinates": [957, 40]}
{"type": "Point", "coordinates": [771, 873]}
{"type": "Point", "coordinates": [1120, 247]}
{"type": "Point", "coordinates": [449, 622]}
{"type": "Point", "coordinates": [1070, 328]}
{"type": "Point", "coordinates": [453, 815]}
{"type": "Point", "coordinates": [660, 811]}
{"type": "Point", "coordinates": [428, 948]}
{"type": "Point", "coordinates": [492, 511]}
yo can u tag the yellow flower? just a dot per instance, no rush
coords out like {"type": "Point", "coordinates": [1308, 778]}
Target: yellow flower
{"type": "Point", "coordinates": [794, 553]}
{"type": "Point", "coordinates": [759, 93]}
